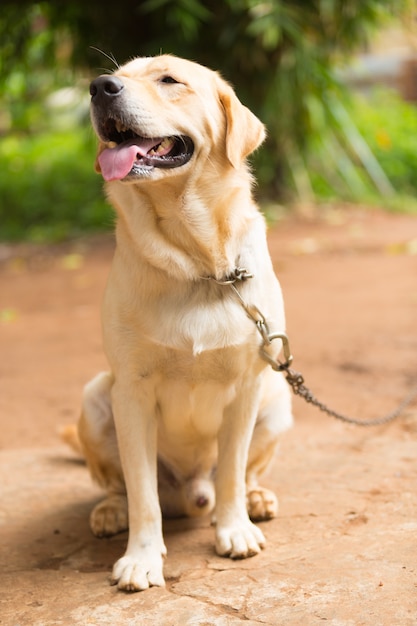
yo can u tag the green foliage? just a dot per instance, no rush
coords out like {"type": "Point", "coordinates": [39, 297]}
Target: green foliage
{"type": "Point", "coordinates": [389, 126]}
{"type": "Point", "coordinates": [34, 61]}
{"type": "Point", "coordinates": [386, 172]}
{"type": "Point", "coordinates": [279, 55]}
{"type": "Point", "coordinates": [49, 190]}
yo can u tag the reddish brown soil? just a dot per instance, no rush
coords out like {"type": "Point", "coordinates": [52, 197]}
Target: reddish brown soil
{"type": "Point", "coordinates": [344, 547]}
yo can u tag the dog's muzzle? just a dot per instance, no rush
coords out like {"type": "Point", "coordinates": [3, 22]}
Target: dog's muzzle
{"type": "Point", "coordinates": [132, 154]}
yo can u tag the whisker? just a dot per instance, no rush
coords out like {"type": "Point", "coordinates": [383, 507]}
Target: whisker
{"type": "Point", "coordinates": [109, 56]}
{"type": "Point", "coordinates": [104, 70]}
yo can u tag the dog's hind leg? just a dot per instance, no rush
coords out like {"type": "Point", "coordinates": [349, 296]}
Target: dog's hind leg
{"type": "Point", "coordinates": [274, 417]}
{"type": "Point", "coordinates": [99, 445]}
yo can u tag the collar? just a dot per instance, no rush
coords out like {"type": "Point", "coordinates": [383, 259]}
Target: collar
{"type": "Point", "coordinates": [239, 274]}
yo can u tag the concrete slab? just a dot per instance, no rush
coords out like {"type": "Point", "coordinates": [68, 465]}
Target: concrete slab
{"type": "Point", "coordinates": [343, 550]}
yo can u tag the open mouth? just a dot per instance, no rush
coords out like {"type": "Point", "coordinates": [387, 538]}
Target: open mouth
{"type": "Point", "coordinates": [130, 154]}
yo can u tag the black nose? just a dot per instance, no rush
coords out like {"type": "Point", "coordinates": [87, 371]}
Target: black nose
{"type": "Point", "coordinates": [105, 87]}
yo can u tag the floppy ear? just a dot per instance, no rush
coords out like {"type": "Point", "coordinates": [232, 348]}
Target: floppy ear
{"type": "Point", "coordinates": [244, 132]}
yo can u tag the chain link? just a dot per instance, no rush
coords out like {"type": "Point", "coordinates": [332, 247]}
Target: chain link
{"type": "Point", "coordinates": [296, 381]}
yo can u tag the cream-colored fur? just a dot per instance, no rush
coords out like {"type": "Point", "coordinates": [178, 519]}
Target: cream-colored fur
{"type": "Point", "coordinates": [197, 412]}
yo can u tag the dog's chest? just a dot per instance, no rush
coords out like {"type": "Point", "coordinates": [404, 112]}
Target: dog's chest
{"type": "Point", "coordinates": [198, 325]}
{"type": "Point", "coordinates": [189, 411]}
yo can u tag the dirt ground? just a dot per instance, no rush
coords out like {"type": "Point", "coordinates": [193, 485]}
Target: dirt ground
{"type": "Point", "coordinates": [343, 549]}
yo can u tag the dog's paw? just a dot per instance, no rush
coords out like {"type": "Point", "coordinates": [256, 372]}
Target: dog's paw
{"type": "Point", "coordinates": [109, 517]}
{"type": "Point", "coordinates": [240, 540]}
{"type": "Point", "coordinates": [136, 573]}
{"type": "Point", "coordinates": [262, 504]}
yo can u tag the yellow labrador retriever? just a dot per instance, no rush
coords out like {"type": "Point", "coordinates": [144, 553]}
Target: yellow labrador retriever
{"type": "Point", "coordinates": [189, 416]}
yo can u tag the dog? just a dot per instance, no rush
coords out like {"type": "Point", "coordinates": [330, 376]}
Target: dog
{"type": "Point", "coordinates": [189, 416]}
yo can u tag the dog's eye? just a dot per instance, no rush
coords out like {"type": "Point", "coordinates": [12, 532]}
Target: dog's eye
{"type": "Point", "coordinates": [169, 80]}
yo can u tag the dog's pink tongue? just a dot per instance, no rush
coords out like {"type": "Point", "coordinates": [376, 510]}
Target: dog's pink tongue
{"type": "Point", "coordinates": [116, 163]}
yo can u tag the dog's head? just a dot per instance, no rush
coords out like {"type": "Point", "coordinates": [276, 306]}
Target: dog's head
{"type": "Point", "coordinates": [156, 116]}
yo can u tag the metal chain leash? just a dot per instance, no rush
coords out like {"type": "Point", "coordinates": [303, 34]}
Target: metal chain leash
{"type": "Point", "coordinates": [295, 379]}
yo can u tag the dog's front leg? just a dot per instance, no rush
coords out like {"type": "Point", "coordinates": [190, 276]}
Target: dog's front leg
{"type": "Point", "coordinates": [134, 412]}
{"type": "Point", "coordinates": [236, 535]}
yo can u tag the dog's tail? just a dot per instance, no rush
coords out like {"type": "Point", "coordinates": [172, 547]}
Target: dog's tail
{"type": "Point", "coordinates": [69, 434]}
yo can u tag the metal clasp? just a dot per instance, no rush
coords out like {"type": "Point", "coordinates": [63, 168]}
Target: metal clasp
{"type": "Point", "coordinates": [274, 363]}
{"type": "Point", "coordinates": [239, 274]}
